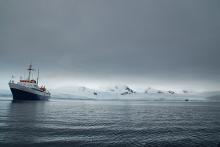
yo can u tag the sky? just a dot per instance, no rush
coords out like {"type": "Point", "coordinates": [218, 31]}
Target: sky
{"type": "Point", "coordinates": [172, 44]}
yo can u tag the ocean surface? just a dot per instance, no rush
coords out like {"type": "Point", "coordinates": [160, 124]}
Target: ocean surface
{"type": "Point", "coordinates": [60, 123]}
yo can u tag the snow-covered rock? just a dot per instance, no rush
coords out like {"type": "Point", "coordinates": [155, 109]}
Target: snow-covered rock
{"type": "Point", "coordinates": [124, 92]}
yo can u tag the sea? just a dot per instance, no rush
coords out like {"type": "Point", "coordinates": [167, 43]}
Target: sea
{"type": "Point", "coordinates": [109, 123]}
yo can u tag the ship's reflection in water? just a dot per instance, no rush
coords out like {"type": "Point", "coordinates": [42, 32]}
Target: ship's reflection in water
{"type": "Point", "coordinates": [109, 123]}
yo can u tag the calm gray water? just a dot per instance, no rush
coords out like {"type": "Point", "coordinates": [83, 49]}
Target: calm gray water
{"type": "Point", "coordinates": [109, 123]}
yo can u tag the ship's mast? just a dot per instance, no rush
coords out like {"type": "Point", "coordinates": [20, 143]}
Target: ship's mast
{"type": "Point", "coordinates": [38, 75]}
{"type": "Point", "coordinates": [29, 74]}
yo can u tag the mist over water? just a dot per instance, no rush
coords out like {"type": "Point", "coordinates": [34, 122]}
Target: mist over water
{"type": "Point", "coordinates": [109, 123]}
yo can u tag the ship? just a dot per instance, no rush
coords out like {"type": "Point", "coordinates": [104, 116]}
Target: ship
{"type": "Point", "coordinates": [28, 89]}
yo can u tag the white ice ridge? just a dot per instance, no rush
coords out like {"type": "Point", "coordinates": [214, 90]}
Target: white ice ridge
{"type": "Point", "coordinates": [127, 93]}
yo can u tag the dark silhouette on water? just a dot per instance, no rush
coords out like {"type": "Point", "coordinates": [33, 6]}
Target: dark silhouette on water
{"type": "Point", "coordinates": [28, 89]}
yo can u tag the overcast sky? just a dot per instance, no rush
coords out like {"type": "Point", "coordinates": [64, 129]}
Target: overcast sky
{"type": "Point", "coordinates": [164, 44]}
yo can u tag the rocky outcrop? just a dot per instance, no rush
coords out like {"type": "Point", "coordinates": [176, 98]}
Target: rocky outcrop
{"type": "Point", "coordinates": [128, 91]}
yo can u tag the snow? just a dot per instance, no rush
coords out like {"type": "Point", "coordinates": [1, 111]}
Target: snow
{"type": "Point", "coordinates": [124, 92]}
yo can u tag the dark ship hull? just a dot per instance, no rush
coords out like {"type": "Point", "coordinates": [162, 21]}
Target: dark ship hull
{"type": "Point", "coordinates": [25, 93]}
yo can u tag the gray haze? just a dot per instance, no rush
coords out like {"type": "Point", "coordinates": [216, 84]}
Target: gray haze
{"type": "Point", "coordinates": [167, 44]}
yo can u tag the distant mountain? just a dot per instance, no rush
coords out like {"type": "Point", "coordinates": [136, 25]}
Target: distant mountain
{"type": "Point", "coordinates": [212, 95]}
{"type": "Point", "coordinates": [73, 92]}
{"type": "Point", "coordinates": [151, 90]}
{"type": "Point", "coordinates": [213, 98]}
{"type": "Point", "coordinates": [124, 92]}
